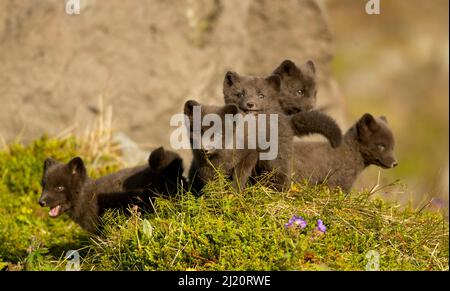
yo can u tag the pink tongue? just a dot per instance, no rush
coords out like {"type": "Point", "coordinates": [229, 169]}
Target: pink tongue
{"type": "Point", "coordinates": [55, 211]}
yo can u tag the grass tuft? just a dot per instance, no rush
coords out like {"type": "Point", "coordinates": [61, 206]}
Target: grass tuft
{"type": "Point", "coordinates": [221, 230]}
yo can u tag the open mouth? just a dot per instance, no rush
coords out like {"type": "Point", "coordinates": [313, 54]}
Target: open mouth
{"type": "Point", "coordinates": [55, 211]}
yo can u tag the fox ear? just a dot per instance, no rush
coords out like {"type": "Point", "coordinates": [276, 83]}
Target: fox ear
{"type": "Point", "coordinates": [286, 68]}
{"type": "Point", "coordinates": [366, 125]}
{"type": "Point", "coordinates": [163, 160]}
{"type": "Point", "coordinates": [382, 117]}
{"type": "Point", "coordinates": [156, 158]}
{"type": "Point", "coordinates": [231, 78]}
{"type": "Point", "coordinates": [311, 66]}
{"type": "Point", "coordinates": [274, 81]}
{"type": "Point", "coordinates": [230, 109]}
{"type": "Point", "coordinates": [76, 167]}
{"type": "Point", "coordinates": [189, 107]}
{"type": "Point", "coordinates": [48, 163]}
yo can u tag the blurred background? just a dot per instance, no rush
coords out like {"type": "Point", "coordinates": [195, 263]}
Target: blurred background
{"type": "Point", "coordinates": [396, 64]}
{"type": "Point", "coordinates": [143, 59]}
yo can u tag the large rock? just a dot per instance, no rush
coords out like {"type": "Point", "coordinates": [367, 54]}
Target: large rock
{"type": "Point", "coordinates": [145, 57]}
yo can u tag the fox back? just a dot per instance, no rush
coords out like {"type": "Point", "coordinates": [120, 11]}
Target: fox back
{"type": "Point", "coordinates": [368, 142]}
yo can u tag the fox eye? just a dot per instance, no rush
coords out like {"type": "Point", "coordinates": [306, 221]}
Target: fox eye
{"type": "Point", "coordinates": [301, 92]}
{"type": "Point", "coordinates": [381, 147]}
{"type": "Point", "coordinates": [59, 188]}
{"type": "Point", "coordinates": [261, 96]}
{"type": "Point", "coordinates": [240, 94]}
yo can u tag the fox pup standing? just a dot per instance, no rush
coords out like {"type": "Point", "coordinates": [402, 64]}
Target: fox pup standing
{"type": "Point", "coordinates": [68, 189]}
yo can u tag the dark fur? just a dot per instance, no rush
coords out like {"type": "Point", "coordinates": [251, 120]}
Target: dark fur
{"type": "Point", "coordinates": [85, 199]}
{"type": "Point", "coordinates": [298, 86]}
{"type": "Point", "coordinates": [311, 122]}
{"type": "Point", "coordinates": [261, 96]}
{"type": "Point", "coordinates": [236, 164]}
{"type": "Point", "coordinates": [298, 96]}
{"type": "Point", "coordinates": [361, 147]}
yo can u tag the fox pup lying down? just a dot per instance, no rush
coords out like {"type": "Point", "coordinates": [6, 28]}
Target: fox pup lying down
{"type": "Point", "coordinates": [68, 189]}
{"type": "Point", "coordinates": [368, 142]}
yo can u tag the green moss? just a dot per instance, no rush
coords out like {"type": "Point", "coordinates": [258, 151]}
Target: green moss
{"type": "Point", "coordinates": [221, 230]}
{"type": "Point", "coordinates": [29, 238]}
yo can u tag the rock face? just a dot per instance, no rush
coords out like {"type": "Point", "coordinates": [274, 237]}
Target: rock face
{"type": "Point", "coordinates": [145, 57]}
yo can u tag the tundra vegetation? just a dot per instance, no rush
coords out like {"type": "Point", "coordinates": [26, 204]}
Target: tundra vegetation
{"type": "Point", "coordinates": [221, 230]}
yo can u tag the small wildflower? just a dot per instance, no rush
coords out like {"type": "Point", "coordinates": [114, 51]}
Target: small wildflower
{"type": "Point", "coordinates": [296, 221]}
{"type": "Point", "coordinates": [320, 226]}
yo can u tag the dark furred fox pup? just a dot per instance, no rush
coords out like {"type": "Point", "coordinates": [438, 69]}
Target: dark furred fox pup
{"type": "Point", "coordinates": [68, 189]}
{"type": "Point", "coordinates": [254, 95]}
{"type": "Point", "coordinates": [236, 164]}
{"type": "Point", "coordinates": [299, 94]}
{"type": "Point", "coordinates": [298, 86]}
{"type": "Point", "coordinates": [368, 142]}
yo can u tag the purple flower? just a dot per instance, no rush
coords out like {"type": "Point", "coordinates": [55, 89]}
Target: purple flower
{"type": "Point", "coordinates": [320, 226]}
{"type": "Point", "coordinates": [296, 221]}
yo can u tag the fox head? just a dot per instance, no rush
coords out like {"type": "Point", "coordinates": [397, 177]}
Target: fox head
{"type": "Point", "coordinates": [209, 117]}
{"type": "Point", "coordinates": [166, 163]}
{"type": "Point", "coordinates": [298, 86]}
{"type": "Point", "coordinates": [61, 184]}
{"type": "Point", "coordinates": [376, 141]}
{"type": "Point", "coordinates": [252, 94]}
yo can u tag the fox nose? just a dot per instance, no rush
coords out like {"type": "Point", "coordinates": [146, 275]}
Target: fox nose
{"type": "Point", "coordinates": [394, 164]}
{"type": "Point", "coordinates": [250, 105]}
{"type": "Point", "coordinates": [42, 202]}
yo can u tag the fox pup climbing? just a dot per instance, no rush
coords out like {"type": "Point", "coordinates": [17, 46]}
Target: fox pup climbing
{"type": "Point", "coordinates": [255, 95]}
